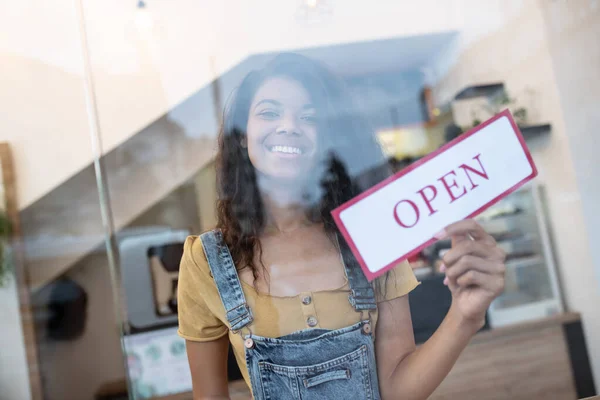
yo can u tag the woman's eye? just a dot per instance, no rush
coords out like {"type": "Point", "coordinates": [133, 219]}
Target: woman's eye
{"type": "Point", "coordinates": [310, 118]}
{"type": "Point", "coordinates": [268, 114]}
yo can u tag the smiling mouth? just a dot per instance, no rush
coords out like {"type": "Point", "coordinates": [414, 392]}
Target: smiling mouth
{"type": "Point", "coordinates": [286, 150]}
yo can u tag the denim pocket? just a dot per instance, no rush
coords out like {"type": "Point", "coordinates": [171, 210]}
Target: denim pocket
{"type": "Point", "coordinates": [347, 377]}
{"type": "Point", "coordinates": [326, 377]}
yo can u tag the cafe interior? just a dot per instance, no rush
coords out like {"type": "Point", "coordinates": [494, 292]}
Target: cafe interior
{"type": "Point", "coordinates": [108, 164]}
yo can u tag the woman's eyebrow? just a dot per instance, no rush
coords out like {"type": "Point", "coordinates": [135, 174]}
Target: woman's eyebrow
{"type": "Point", "coordinates": [271, 101]}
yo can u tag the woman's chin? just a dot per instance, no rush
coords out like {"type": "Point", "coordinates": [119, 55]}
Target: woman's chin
{"type": "Point", "coordinates": [287, 178]}
{"type": "Point", "coordinates": [283, 173]}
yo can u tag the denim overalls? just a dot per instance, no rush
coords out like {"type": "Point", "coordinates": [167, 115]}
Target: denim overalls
{"type": "Point", "coordinates": [308, 364]}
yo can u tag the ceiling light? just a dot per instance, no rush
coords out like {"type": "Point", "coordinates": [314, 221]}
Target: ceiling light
{"type": "Point", "coordinates": [313, 10]}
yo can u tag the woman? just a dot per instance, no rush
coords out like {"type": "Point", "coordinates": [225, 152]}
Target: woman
{"type": "Point", "coordinates": [277, 281]}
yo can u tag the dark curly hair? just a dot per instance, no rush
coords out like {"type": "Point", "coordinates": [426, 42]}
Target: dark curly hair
{"type": "Point", "coordinates": [350, 157]}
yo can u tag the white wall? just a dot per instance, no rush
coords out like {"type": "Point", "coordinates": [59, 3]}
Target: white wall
{"type": "Point", "coordinates": [520, 53]}
{"type": "Point", "coordinates": [573, 30]}
{"type": "Point", "coordinates": [42, 103]}
{"type": "Point", "coordinates": [14, 377]}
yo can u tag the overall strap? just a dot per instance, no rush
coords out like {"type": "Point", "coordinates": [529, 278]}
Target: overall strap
{"type": "Point", "coordinates": [226, 278]}
{"type": "Point", "coordinates": [362, 295]}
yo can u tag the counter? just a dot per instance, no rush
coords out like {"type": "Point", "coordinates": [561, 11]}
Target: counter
{"type": "Point", "coordinates": [543, 359]}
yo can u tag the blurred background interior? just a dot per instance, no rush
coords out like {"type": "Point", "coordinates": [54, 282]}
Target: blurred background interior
{"type": "Point", "coordinates": [110, 112]}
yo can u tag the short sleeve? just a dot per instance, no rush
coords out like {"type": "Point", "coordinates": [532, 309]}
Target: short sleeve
{"type": "Point", "coordinates": [399, 281]}
{"type": "Point", "coordinates": [198, 301]}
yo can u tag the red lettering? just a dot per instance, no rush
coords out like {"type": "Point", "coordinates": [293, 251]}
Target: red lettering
{"type": "Point", "coordinates": [397, 217]}
{"type": "Point", "coordinates": [429, 193]}
{"type": "Point", "coordinates": [481, 173]}
{"type": "Point", "coordinates": [454, 184]}
{"type": "Point", "coordinates": [428, 201]}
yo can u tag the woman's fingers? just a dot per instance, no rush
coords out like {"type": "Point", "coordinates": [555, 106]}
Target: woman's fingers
{"type": "Point", "coordinates": [474, 259]}
{"type": "Point", "coordinates": [473, 247]}
{"type": "Point", "coordinates": [473, 263]}
{"type": "Point", "coordinates": [466, 228]}
{"type": "Point", "coordinates": [489, 282]}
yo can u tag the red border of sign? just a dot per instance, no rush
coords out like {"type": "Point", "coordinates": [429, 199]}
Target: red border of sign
{"type": "Point", "coordinates": [336, 212]}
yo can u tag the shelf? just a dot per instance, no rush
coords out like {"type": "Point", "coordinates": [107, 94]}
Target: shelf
{"type": "Point", "coordinates": [533, 131]}
{"type": "Point", "coordinates": [487, 90]}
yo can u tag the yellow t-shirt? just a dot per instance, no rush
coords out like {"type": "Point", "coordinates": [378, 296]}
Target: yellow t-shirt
{"type": "Point", "coordinates": [202, 315]}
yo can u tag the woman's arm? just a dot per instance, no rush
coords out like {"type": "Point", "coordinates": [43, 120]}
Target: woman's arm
{"type": "Point", "coordinates": [208, 365]}
{"type": "Point", "coordinates": [406, 372]}
{"type": "Point", "coordinates": [475, 275]}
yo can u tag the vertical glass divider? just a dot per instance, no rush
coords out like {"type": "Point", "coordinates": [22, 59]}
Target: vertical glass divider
{"type": "Point", "coordinates": [102, 186]}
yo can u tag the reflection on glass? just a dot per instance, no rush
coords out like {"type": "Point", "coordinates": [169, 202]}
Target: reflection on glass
{"type": "Point", "coordinates": [410, 79]}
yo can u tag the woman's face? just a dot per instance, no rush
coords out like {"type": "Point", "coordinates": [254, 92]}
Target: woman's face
{"type": "Point", "coordinates": [282, 131]}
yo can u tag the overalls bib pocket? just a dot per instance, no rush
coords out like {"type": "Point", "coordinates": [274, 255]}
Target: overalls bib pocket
{"type": "Point", "coordinates": [345, 377]}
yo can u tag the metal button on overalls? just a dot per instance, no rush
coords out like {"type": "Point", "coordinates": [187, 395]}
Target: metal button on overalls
{"type": "Point", "coordinates": [306, 300]}
{"type": "Point", "coordinates": [367, 328]}
{"type": "Point", "coordinates": [311, 321]}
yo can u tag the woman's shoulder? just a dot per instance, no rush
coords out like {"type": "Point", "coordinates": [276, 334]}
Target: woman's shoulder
{"type": "Point", "coordinates": [194, 258]}
{"type": "Point", "coordinates": [195, 250]}
{"type": "Point", "coordinates": [201, 313]}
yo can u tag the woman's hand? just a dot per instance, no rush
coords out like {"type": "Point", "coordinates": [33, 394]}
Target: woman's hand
{"type": "Point", "coordinates": [474, 268]}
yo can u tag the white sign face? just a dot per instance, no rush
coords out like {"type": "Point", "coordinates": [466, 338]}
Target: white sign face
{"type": "Point", "coordinates": [398, 217]}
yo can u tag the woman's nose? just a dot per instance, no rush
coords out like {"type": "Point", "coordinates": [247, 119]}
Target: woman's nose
{"type": "Point", "coordinates": [288, 126]}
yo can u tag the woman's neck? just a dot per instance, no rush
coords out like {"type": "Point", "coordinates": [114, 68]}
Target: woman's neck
{"type": "Point", "coordinates": [284, 208]}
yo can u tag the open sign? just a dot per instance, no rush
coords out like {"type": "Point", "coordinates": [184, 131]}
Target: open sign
{"type": "Point", "coordinates": [398, 217]}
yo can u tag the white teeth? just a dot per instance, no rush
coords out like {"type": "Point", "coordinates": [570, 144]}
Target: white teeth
{"type": "Point", "coordinates": [285, 149]}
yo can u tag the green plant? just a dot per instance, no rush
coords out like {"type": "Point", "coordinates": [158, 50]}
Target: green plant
{"type": "Point", "coordinates": [499, 103]}
{"type": "Point", "coordinates": [6, 265]}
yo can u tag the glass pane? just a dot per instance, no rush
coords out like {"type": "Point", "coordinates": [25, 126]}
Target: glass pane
{"type": "Point", "coordinates": [62, 331]}
{"type": "Point", "coordinates": [183, 173]}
